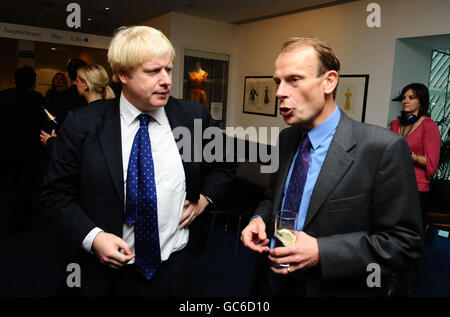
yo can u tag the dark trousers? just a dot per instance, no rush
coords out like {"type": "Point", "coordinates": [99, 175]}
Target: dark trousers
{"type": "Point", "coordinates": [423, 206]}
{"type": "Point", "coordinates": [266, 283]}
{"type": "Point", "coordinates": [173, 279]}
{"type": "Point", "coordinates": [17, 186]}
{"type": "Point", "coordinates": [286, 285]}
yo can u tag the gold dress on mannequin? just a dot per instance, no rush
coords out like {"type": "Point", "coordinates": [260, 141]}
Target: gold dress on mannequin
{"type": "Point", "coordinates": [197, 85]}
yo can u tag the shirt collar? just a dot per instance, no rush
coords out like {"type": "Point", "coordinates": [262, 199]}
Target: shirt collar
{"type": "Point", "coordinates": [130, 112]}
{"type": "Point", "coordinates": [320, 133]}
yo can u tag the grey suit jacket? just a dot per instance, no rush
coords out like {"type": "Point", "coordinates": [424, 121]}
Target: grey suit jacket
{"type": "Point", "coordinates": [364, 208]}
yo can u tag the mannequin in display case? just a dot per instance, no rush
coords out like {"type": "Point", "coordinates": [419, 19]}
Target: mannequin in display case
{"type": "Point", "coordinates": [197, 85]}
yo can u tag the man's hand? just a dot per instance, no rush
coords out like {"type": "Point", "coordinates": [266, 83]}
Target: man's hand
{"type": "Point", "coordinates": [192, 210]}
{"type": "Point", "coordinates": [254, 236]}
{"type": "Point", "coordinates": [304, 253]}
{"type": "Point", "coordinates": [44, 136]}
{"type": "Point", "coordinates": [107, 246]}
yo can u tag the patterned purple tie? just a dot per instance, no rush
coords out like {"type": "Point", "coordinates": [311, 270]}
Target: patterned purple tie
{"type": "Point", "coordinates": [298, 176]}
{"type": "Point", "coordinates": [141, 203]}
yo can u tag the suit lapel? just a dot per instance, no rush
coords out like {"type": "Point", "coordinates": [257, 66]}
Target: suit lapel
{"type": "Point", "coordinates": [336, 164]}
{"type": "Point", "coordinates": [110, 139]}
{"type": "Point", "coordinates": [174, 113]}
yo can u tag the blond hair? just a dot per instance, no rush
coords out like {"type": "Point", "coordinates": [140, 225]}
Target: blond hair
{"type": "Point", "coordinates": [133, 46]}
{"type": "Point", "coordinates": [328, 60]}
{"type": "Point", "coordinates": [96, 78]}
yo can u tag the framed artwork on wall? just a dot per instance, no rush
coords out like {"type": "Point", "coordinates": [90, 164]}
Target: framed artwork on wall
{"type": "Point", "coordinates": [260, 96]}
{"type": "Point", "coordinates": [351, 95]}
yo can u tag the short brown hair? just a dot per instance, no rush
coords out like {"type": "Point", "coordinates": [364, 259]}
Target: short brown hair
{"type": "Point", "coordinates": [327, 58]}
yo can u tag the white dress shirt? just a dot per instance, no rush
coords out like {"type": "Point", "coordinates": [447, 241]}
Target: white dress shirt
{"type": "Point", "coordinates": [169, 179]}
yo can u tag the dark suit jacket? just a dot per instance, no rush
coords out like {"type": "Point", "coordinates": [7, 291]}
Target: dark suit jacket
{"type": "Point", "coordinates": [64, 101]}
{"type": "Point", "coordinates": [364, 208]}
{"type": "Point", "coordinates": [21, 120]}
{"type": "Point", "coordinates": [84, 184]}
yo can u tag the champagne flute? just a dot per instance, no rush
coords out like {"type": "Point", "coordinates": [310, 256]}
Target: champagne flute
{"type": "Point", "coordinates": [284, 236]}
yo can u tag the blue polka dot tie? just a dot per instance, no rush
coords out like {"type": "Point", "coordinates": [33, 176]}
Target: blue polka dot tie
{"type": "Point", "coordinates": [141, 205]}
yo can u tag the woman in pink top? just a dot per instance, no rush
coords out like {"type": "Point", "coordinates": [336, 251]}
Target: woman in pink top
{"type": "Point", "coordinates": [422, 135]}
{"type": "Point", "coordinates": [424, 140]}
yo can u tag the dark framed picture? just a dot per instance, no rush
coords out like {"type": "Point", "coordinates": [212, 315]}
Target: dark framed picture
{"type": "Point", "coordinates": [260, 96]}
{"type": "Point", "coordinates": [351, 95]}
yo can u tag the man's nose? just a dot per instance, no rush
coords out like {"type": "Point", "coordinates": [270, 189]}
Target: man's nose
{"type": "Point", "coordinates": [281, 90]}
{"type": "Point", "coordinates": [165, 78]}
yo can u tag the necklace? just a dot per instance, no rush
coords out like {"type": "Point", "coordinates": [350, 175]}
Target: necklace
{"type": "Point", "coordinates": [403, 128]}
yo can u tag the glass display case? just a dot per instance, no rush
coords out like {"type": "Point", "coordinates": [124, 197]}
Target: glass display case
{"type": "Point", "coordinates": [205, 80]}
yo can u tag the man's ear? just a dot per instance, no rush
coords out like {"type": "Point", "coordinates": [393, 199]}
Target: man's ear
{"type": "Point", "coordinates": [331, 79]}
{"type": "Point", "coordinates": [123, 78]}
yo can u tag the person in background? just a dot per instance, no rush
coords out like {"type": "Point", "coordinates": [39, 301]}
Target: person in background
{"type": "Point", "coordinates": [422, 135]}
{"type": "Point", "coordinates": [21, 119]}
{"type": "Point", "coordinates": [59, 83]}
{"type": "Point", "coordinates": [68, 99]}
{"type": "Point", "coordinates": [92, 84]}
{"type": "Point", "coordinates": [424, 141]}
{"type": "Point", "coordinates": [59, 104]}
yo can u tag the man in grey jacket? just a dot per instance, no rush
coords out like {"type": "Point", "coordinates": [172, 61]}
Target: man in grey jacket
{"type": "Point", "coordinates": [352, 185]}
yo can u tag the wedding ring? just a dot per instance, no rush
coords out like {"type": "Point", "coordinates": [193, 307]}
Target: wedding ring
{"type": "Point", "coordinates": [288, 270]}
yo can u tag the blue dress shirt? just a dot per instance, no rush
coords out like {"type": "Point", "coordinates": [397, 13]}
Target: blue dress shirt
{"type": "Point", "coordinates": [320, 138]}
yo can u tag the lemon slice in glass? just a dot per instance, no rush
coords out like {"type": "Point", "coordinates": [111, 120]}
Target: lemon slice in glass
{"type": "Point", "coordinates": [286, 236]}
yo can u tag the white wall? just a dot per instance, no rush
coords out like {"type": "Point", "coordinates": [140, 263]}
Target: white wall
{"type": "Point", "coordinates": [162, 23]}
{"type": "Point", "coordinates": [412, 64]}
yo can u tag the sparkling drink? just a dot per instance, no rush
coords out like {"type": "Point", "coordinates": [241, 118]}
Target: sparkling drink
{"type": "Point", "coordinates": [284, 236]}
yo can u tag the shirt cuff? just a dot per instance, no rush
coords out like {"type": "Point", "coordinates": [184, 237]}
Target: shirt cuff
{"type": "Point", "coordinates": [209, 199]}
{"type": "Point", "coordinates": [256, 217]}
{"type": "Point", "coordinates": [89, 239]}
